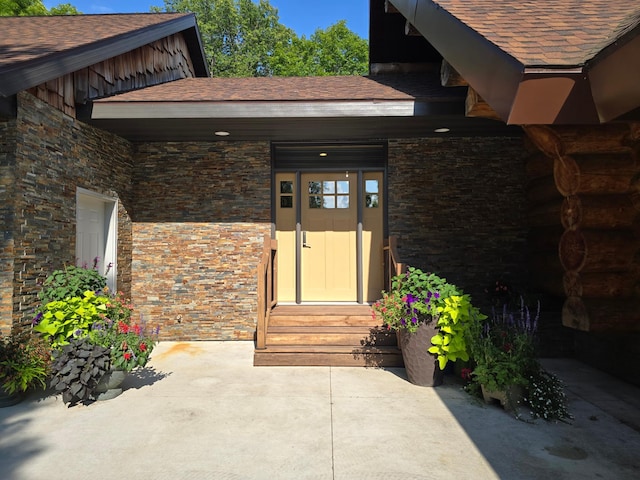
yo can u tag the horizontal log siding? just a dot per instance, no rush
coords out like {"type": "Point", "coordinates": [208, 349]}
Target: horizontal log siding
{"type": "Point", "coordinates": [200, 216]}
{"type": "Point", "coordinates": [55, 154]}
{"type": "Point", "coordinates": [457, 206]}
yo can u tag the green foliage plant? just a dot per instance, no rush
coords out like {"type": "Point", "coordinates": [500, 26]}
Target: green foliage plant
{"type": "Point", "coordinates": [24, 361]}
{"type": "Point", "coordinates": [71, 281]}
{"type": "Point", "coordinates": [418, 297]}
{"type": "Point", "coordinates": [77, 368]}
{"type": "Point", "coordinates": [454, 318]}
{"type": "Point", "coordinates": [503, 348]}
{"type": "Point", "coordinates": [61, 320]}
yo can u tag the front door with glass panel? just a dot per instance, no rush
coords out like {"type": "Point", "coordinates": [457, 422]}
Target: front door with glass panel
{"type": "Point", "coordinates": [330, 236]}
{"type": "Point", "coordinates": [329, 222]}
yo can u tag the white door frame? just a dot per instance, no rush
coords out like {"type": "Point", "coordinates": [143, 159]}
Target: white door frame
{"type": "Point", "coordinates": [108, 265]}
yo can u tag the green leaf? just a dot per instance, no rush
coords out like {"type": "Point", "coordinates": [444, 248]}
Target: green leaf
{"type": "Point", "coordinates": [442, 362]}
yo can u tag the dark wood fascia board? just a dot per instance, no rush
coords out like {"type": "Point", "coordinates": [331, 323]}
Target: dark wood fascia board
{"type": "Point", "coordinates": [198, 57]}
{"type": "Point", "coordinates": [35, 72]}
{"type": "Point", "coordinates": [303, 129]}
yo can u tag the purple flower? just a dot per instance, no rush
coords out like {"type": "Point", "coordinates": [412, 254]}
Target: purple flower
{"type": "Point", "coordinates": [403, 322]}
{"type": "Point", "coordinates": [414, 320]}
{"type": "Point", "coordinates": [37, 318]}
{"type": "Point", "coordinates": [436, 295]}
{"type": "Point", "coordinates": [411, 299]}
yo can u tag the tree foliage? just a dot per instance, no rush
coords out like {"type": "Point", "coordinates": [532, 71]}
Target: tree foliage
{"type": "Point", "coordinates": [64, 9]}
{"type": "Point", "coordinates": [334, 51]}
{"type": "Point", "coordinates": [12, 8]}
{"type": "Point", "coordinates": [243, 38]}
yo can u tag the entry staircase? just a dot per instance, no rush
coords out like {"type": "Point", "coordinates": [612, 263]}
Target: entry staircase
{"type": "Point", "coordinates": [320, 335]}
{"type": "Point", "coordinates": [327, 335]}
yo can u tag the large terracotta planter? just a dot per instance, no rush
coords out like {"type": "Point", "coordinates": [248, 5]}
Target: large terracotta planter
{"type": "Point", "coordinates": [422, 367]}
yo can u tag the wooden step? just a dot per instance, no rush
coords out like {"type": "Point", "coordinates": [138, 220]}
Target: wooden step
{"type": "Point", "coordinates": [324, 356]}
{"type": "Point", "coordinates": [351, 315]}
{"type": "Point", "coordinates": [321, 320]}
{"type": "Point", "coordinates": [329, 335]}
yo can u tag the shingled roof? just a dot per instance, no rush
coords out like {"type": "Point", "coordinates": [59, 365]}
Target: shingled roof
{"type": "Point", "coordinates": [37, 49]}
{"type": "Point", "coordinates": [290, 89]}
{"type": "Point", "coordinates": [539, 61]}
{"type": "Point", "coordinates": [548, 33]}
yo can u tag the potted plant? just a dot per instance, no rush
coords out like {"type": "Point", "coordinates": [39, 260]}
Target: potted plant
{"type": "Point", "coordinates": [430, 317]}
{"type": "Point", "coordinates": [94, 338]}
{"type": "Point", "coordinates": [24, 364]}
{"type": "Point", "coordinates": [503, 349]}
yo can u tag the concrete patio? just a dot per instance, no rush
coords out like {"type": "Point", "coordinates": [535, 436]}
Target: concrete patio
{"type": "Point", "coordinates": [202, 411]}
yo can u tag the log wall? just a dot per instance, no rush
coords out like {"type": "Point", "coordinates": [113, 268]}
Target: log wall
{"type": "Point", "coordinates": [584, 211]}
{"type": "Point", "coordinates": [158, 62]}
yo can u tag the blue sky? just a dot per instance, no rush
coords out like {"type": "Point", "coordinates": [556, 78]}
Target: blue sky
{"type": "Point", "coordinates": [303, 16]}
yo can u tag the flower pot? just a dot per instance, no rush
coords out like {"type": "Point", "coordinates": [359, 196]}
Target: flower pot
{"type": "Point", "coordinates": [7, 399]}
{"type": "Point", "coordinates": [422, 367]}
{"type": "Point", "coordinates": [109, 385]}
{"type": "Point", "coordinates": [509, 398]}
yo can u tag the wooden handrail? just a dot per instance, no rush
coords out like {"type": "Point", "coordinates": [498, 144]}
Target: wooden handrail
{"type": "Point", "coordinates": [267, 289]}
{"type": "Point", "coordinates": [392, 266]}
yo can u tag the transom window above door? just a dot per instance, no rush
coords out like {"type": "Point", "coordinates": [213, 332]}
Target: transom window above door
{"type": "Point", "coordinates": [329, 194]}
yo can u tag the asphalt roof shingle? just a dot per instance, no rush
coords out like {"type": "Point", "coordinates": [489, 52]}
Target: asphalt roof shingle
{"type": "Point", "coordinates": [29, 38]}
{"type": "Point", "coordinates": [548, 32]}
{"type": "Point", "coordinates": [279, 89]}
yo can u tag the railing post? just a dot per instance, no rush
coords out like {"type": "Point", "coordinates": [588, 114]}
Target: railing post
{"type": "Point", "coordinates": [261, 327]}
{"type": "Point", "coordinates": [267, 296]}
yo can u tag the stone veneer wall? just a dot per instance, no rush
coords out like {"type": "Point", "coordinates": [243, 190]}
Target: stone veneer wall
{"type": "Point", "coordinates": [458, 208]}
{"type": "Point", "coordinates": [53, 155]}
{"type": "Point", "coordinates": [7, 163]}
{"type": "Point", "coordinates": [201, 213]}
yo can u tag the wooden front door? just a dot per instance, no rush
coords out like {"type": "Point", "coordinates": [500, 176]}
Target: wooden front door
{"type": "Point", "coordinates": [329, 222]}
{"type": "Point", "coordinates": [330, 236]}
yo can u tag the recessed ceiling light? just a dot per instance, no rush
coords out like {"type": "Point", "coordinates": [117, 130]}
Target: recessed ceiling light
{"type": "Point", "coordinates": [323, 154]}
{"type": "Point", "coordinates": [442, 130]}
{"type": "Point", "coordinates": [222, 133]}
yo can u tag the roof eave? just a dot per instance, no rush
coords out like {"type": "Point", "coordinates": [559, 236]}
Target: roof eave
{"type": "Point", "coordinates": [490, 71]}
{"type": "Point", "coordinates": [32, 73]}
{"type": "Point", "coordinates": [113, 110]}
{"type": "Point", "coordinates": [597, 92]}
